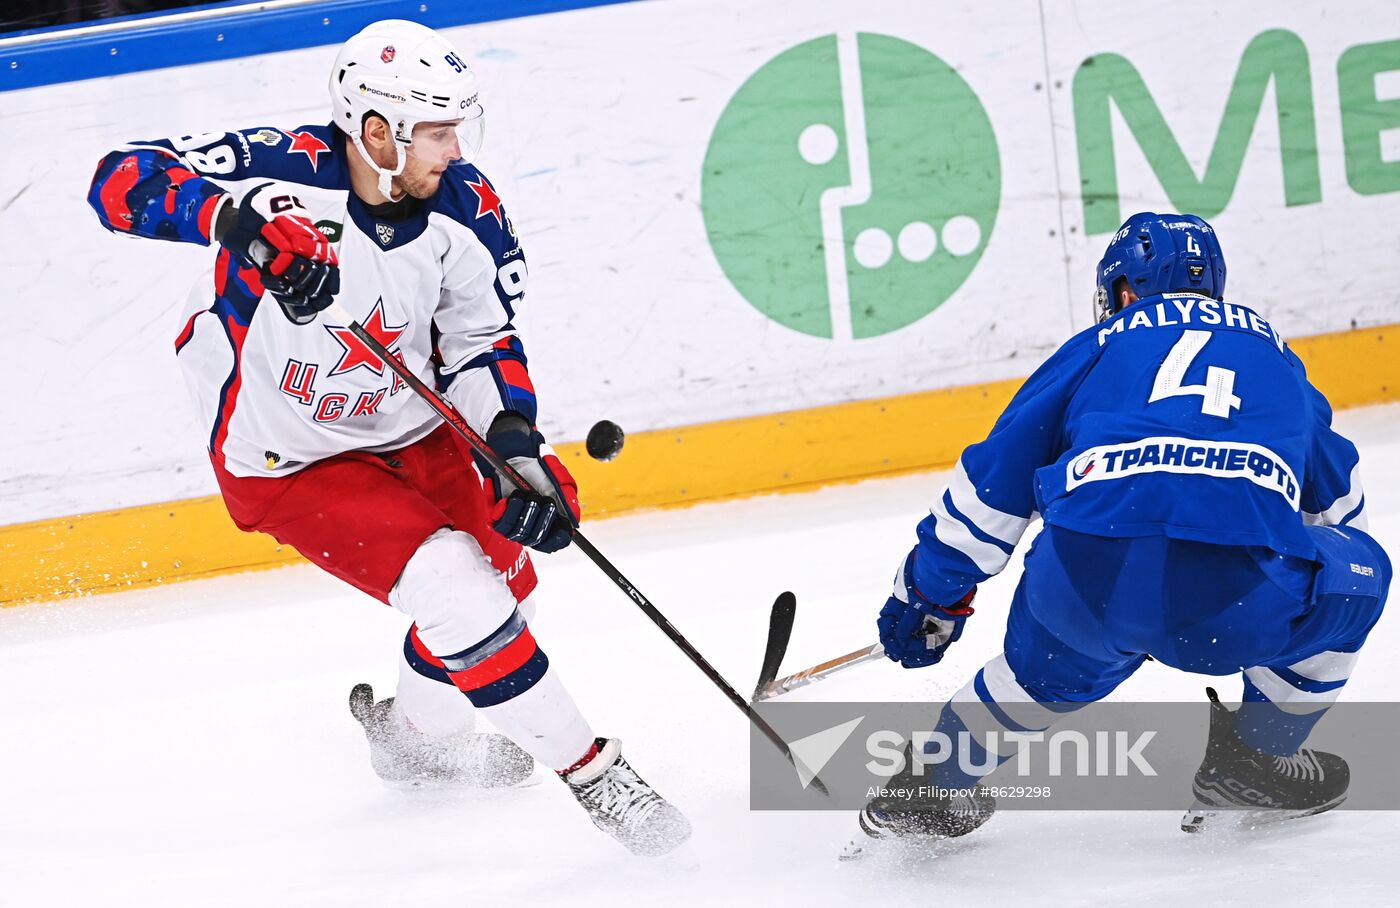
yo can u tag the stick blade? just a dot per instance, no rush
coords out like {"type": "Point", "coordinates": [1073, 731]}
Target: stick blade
{"type": "Point", "coordinates": [780, 622]}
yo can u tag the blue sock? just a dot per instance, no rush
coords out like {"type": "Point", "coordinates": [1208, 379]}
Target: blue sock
{"type": "Point", "coordinates": [1262, 725]}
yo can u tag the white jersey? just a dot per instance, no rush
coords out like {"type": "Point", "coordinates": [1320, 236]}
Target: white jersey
{"type": "Point", "coordinates": [437, 282]}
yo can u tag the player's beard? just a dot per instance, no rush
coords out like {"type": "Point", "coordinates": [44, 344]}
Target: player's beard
{"type": "Point", "coordinates": [420, 185]}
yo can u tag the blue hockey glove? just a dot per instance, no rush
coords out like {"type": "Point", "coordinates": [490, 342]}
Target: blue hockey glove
{"type": "Point", "coordinates": [272, 231]}
{"type": "Point", "coordinates": [914, 631]}
{"type": "Point", "coordinates": [543, 520]}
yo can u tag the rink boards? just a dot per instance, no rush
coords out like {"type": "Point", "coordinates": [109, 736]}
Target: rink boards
{"type": "Point", "coordinates": [778, 253]}
{"type": "Point", "coordinates": [788, 452]}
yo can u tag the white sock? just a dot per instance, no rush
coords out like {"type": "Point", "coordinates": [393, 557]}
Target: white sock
{"type": "Point", "coordinates": [431, 707]}
{"type": "Point", "coordinates": [545, 722]}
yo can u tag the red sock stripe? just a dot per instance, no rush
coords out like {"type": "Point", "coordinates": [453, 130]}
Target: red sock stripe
{"type": "Point", "coordinates": [498, 665]}
{"type": "Point", "coordinates": [583, 760]}
{"type": "Point", "coordinates": [422, 650]}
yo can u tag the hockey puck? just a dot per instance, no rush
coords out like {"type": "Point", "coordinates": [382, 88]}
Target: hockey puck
{"type": "Point", "coordinates": [604, 440]}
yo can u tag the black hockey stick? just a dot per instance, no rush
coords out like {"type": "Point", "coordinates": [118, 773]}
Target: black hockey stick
{"type": "Point", "coordinates": [779, 633]}
{"type": "Point", "coordinates": [479, 445]}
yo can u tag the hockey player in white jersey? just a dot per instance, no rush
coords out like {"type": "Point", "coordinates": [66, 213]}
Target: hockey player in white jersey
{"type": "Point", "coordinates": [316, 442]}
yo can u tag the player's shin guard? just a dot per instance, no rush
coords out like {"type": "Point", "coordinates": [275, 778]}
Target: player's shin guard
{"type": "Point", "coordinates": [428, 699]}
{"type": "Point", "coordinates": [469, 628]}
{"type": "Point", "coordinates": [1282, 703]}
{"type": "Point", "coordinates": [508, 677]}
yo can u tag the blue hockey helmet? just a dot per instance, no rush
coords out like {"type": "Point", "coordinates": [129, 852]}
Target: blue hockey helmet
{"type": "Point", "coordinates": [1160, 253]}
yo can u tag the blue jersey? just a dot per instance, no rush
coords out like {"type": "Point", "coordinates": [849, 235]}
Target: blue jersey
{"type": "Point", "coordinates": [1181, 416]}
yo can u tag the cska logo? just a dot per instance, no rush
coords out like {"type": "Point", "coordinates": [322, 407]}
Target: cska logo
{"type": "Point", "coordinates": [299, 379]}
{"type": "Point", "coordinates": [385, 233]}
{"type": "Point", "coordinates": [388, 54]}
{"type": "Point", "coordinates": [309, 145]}
{"type": "Point", "coordinates": [487, 202]}
{"type": "Point", "coordinates": [356, 352]}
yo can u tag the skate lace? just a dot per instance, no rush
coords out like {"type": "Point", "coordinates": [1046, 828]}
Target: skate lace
{"type": "Point", "coordinates": [1302, 765]}
{"type": "Point", "coordinates": [965, 808]}
{"type": "Point", "coordinates": [621, 795]}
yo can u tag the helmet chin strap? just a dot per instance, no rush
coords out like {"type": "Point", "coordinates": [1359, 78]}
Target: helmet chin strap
{"type": "Point", "coordinates": [386, 177]}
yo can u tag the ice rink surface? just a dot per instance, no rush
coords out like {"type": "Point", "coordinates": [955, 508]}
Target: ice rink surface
{"type": "Point", "coordinates": [191, 745]}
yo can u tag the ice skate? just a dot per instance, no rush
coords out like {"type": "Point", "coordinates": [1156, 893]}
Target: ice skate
{"type": "Point", "coordinates": [919, 823]}
{"type": "Point", "coordinates": [624, 806]}
{"type": "Point", "coordinates": [401, 755]}
{"type": "Point", "coordinates": [919, 820]}
{"type": "Point", "coordinates": [1260, 787]}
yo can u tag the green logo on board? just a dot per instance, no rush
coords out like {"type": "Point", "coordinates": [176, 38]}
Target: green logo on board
{"type": "Point", "coordinates": [851, 185]}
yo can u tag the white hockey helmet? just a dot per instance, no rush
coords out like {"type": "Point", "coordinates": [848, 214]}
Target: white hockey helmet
{"type": "Point", "coordinates": [408, 74]}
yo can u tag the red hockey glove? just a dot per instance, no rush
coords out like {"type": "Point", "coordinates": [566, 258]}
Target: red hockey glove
{"type": "Point", "coordinates": [272, 231]}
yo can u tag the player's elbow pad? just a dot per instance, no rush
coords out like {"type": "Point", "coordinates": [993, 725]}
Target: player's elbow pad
{"type": "Point", "coordinates": [116, 175]}
{"type": "Point", "coordinates": [148, 192]}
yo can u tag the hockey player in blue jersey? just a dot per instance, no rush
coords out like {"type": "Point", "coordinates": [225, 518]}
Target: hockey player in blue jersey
{"type": "Point", "coordinates": [1198, 508]}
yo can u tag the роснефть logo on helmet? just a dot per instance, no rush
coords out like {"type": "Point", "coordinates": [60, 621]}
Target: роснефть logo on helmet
{"type": "Point", "coordinates": [387, 95]}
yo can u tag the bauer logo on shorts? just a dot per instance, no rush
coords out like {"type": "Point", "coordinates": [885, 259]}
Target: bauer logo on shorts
{"type": "Point", "coordinates": [1225, 460]}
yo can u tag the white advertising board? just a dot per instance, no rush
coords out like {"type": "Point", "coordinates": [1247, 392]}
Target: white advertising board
{"type": "Point", "coordinates": [736, 207]}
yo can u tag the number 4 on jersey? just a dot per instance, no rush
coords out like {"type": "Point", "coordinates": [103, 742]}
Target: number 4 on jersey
{"type": "Point", "coordinates": [1217, 394]}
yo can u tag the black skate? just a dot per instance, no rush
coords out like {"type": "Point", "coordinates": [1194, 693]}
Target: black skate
{"type": "Point", "coordinates": [624, 806]}
{"type": "Point", "coordinates": [1236, 777]}
{"type": "Point", "coordinates": [922, 819]}
{"type": "Point", "coordinates": [403, 756]}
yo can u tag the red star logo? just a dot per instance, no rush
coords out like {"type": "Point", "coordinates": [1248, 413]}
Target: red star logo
{"type": "Point", "coordinates": [487, 202]}
{"type": "Point", "coordinates": [309, 145]}
{"type": "Point", "coordinates": [357, 352]}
